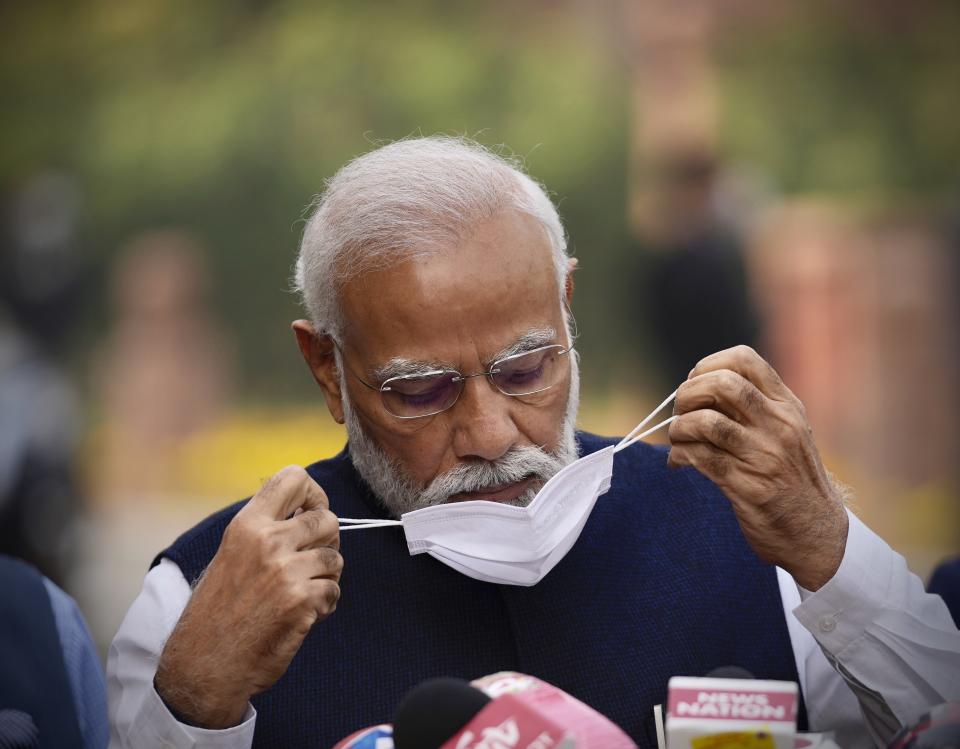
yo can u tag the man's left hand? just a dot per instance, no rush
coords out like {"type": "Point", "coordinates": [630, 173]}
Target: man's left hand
{"type": "Point", "coordinates": [740, 426]}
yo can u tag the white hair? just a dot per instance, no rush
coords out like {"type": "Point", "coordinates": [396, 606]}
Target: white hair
{"type": "Point", "coordinates": [407, 199]}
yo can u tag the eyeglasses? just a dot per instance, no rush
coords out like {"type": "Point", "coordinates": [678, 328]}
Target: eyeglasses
{"type": "Point", "coordinates": [429, 393]}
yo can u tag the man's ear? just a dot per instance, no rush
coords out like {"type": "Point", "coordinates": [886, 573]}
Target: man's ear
{"type": "Point", "coordinates": [318, 353]}
{"type": "Point", "coordinates": [572, 264]}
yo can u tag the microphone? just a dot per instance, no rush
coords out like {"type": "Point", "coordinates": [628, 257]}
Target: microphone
{"type": "Point", "coordinates": [938, 728]}
{"type": "Point", "coordinates": [508, 711]}
{"type": "Point", "coordinates": [434, 711]}
{"type": "Point", "coordinates": [374, 737]}
{"type": "Point", "coordinates": [730, 672]}
{"type": "Point", "coordinates": [18, 731]}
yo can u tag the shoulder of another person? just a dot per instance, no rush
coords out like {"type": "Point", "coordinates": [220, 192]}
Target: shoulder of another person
{"type": "Point", "coordinates": [18, 568]}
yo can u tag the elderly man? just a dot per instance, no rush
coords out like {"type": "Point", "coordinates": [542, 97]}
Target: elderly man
{"type": "Point", "coordinates": [438, 285]}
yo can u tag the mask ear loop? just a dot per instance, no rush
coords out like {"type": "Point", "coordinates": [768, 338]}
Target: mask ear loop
{"type": "Point", "coordinates": [352, 524]}
{"type": "Point", "coordinates": [635, 437]}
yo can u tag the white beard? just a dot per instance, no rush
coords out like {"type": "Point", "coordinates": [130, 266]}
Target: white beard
{"type": "Point", "coordinates": [400, 494]}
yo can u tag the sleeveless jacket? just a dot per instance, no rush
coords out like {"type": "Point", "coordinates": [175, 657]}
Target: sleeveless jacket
{"type": "Point", "coordinates": [660, 583]}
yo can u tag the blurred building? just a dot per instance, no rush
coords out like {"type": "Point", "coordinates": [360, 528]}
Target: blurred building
{"type": "Point", "coordinates": [857, 305]}
{"type": "Point", "coordinates": [859, 322]}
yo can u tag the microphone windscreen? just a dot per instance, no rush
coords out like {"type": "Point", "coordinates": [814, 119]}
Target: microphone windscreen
{"type": "Point", "coordinates": [730, 672]}
{"type": "Point", "coordinates": [18, 731]}
{"type": "Point", "coordinates": [434, 711]}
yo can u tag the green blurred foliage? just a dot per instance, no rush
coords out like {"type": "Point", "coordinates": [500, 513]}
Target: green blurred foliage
{"type": "Point", "coordinates": [226, 117]}
{"type": "Point", "coordinates": [859, 101]}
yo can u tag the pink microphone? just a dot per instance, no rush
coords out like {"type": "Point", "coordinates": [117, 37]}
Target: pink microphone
{"type": "Point", "coordinates": [507, 711]}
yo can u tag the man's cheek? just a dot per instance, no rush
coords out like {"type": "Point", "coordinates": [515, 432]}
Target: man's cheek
{"type": "Point", "coordinates": [421, 460]}
{"type": "Point", "coordinates": [546, 429]}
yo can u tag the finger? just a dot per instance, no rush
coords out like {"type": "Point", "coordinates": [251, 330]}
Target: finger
{"type": "Point", "coordinates": [722, 390]}
{"type": "Point", "coordinates": [324, 595]}
{"type": "Point", "coordinates": [711, 461]}
{"type": "Point", "coordinates": [748, 364]}
{"type": "Point", "coordinates": [314, 528]}
{"type": "Point", "coordinates": [286, 491]}
{"type": "Point", "coordinates": [323, 562]}
{"type": "Point", "coordinates": [315, 498]}
{"type": "Point", "coordinates": [711, 427]}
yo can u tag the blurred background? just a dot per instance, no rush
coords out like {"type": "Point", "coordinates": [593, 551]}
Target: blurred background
{"type": "Point", "coordinates": [760, 171]}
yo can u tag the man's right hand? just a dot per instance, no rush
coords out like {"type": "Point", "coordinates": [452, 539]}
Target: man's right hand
{"type": "Point", "coordinates": [275, 575]}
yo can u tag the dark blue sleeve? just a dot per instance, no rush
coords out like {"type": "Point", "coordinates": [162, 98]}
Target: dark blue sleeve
{"type": "Point", "coordinates": [945, 582]}
{"type": "Point", "coordinates": [84, 670]}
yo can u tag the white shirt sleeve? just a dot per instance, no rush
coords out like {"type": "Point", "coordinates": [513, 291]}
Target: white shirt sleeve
{"type": "Point", "coordinates": [894, 649]}
{"type": "Point", "coordinates": [138, 717]}
{"type": "Point", "coordinates": [874, 650]}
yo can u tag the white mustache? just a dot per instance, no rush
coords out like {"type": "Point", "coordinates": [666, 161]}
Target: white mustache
{"type": "Point", "coordinates": [516, 464]}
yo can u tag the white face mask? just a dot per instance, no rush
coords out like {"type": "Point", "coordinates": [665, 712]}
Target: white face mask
{"type": "Point", "coordinates": [501, 543]}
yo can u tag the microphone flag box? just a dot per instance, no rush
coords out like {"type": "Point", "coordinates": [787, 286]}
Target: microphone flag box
{"type": "Point", "coordinates": [540, 716]}
{"type": "Point", "coordinates": [509, 723]}
{"type": "Point", "coordinates": [706, 713]}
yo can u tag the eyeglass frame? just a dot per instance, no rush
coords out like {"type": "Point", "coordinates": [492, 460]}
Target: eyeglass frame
{"type": "Point", "coordinates": [564, 350]}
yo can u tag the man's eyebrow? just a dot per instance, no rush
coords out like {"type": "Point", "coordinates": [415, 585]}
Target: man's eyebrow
{"type": "Point", "coordinates": [528, 342]}
{"type": "Point", "coordinates": [400, 367]}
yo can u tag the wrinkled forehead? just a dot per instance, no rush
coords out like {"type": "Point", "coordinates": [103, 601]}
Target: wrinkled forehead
{"type": "Point", "coordinates": [464, 301]}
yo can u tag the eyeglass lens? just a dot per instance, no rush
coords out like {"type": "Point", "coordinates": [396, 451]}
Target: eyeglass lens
{"type": "Point", "coordinates": [522, 374]}
{"type": "Point", "coordinates": [422, 395]}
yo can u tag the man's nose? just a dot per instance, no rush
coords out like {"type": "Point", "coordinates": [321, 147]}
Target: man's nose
{"type": "Point", "coordinates": [483, 422]}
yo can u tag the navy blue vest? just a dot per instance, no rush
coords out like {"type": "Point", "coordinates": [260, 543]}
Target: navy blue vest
{"type": "Point", "coordinates": [33, 677]}
{"type": "Point", "coordinates": [660, 583]}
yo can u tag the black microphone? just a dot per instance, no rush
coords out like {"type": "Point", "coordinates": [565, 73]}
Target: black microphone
{"type": "Point", "coordinates": [434, 711]}
{"type": "Point", "coordinates": [18, 731]}
{"type": "Point", "coordinates": [730, 672]}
